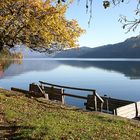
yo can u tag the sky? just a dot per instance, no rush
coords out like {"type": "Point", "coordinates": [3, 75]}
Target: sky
{"type": "Point", "coordinates": [104, 26]}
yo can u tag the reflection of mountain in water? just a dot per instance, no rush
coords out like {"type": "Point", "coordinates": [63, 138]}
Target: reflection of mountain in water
{"type": "Point", "coordinates": [31, 65]}
{"type": "Point", "coordinates": [128, 68]}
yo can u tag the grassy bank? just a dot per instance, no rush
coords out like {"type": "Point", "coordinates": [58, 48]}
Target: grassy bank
{"type": "Point", "coordinates": [28, 118]}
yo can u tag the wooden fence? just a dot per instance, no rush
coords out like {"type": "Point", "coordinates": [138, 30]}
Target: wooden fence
{"type": "Point", "coordinates": [109, 103]}
{"type": "Point", "coordinates": [57, 92]}
{"type": "Point", "coordinates": [123, 108]}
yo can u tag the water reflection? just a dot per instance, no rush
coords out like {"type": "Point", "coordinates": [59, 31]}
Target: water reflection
{"type": "Point", "coordinates": [117, 79]}
{"type": "Point", "coordinates": [130, 69]}
{"type": "Point", "coordinates": [29, 66]}
{"type": "Point", "coordinates": [5, 64]}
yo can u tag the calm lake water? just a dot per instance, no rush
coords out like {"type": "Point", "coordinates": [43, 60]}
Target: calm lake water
{"type": "Point", "coordinates": [116, 78]}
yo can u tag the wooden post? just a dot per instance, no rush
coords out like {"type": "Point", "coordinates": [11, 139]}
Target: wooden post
{"type": "Point", "coordinates": [101, 106]}
{"type": "Point", "coordinates": [107, 106]}
{"type": "Point", "coordinates": [43, 92]}
{"type": "Point", "coordinates": [41, 85]}
{"type": "Point", "coordinates": [31, 88]}
{"type": "Point", "coordinates": [136, 109]}
{"type": "Point", "coordinates": [115, 112]}
{"type": "Point", "coordinates": [95, 100]}
{"type": "Point", "coordinates": [46, 96]}
{"type": "Point", "coordinates": [63, 97]}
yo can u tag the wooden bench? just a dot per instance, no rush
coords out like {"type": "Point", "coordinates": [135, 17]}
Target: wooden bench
{"type": "Point", "coordinates": [50, 93]}
{"type": "Point", "coordinates": [96, 98]}
{"type": "Point", "coordinates": [129, 111]}
{"type": "Point", "coordinates": [123, 108]}
{"type": "Point", "coordinates": [109, 104]}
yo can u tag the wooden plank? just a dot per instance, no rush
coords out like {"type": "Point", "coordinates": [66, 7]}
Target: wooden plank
{"type": "Point", "coordinates": [54, 93]}
{"type": "Point", "coordinates": [129, 116]}
{"type": "Point", "coordinates": [28, 93]}
{"type": "Point", "coordinates": [74, 88]}
{"type": "Point", "coordinates": [42, 91]}
{"type": "Point", "coordinates": [99, 97]}
{"type": "Point", "coordinates": [58, 92]}
{"type": "Point", "coordinates": [127, 107]}
{"type": "Point", "coordinates": [67, 94]}
{"type": "Point", "coordinates": [34, 88]}
{"type": "Point", "coordinates": [138, 108]}
{"type": "Point", "coordinates": [128, 111]}
{"type": "Point", "coordinates": [118, 101]}
{"type": "Point", "coordinates": [19, 90]}
{"type": "Point", "coordinates": [51, 90]}
{"type": "Point", "coordinates": [75, 96]}
{"type": "Point", "coordinates": [95, 102]}
{"type": "Point", "coordinates": [63, 97]}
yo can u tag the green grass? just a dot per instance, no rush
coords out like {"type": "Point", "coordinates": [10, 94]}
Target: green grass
{"type": "Point", "coordinates": [44, 120]}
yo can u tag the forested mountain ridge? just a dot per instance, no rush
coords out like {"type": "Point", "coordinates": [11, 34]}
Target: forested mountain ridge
{"type": "Point", "coordinates": [130, 48]}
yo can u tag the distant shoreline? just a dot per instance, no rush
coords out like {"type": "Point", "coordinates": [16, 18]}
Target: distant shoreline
{"type": "Point", "coordinates": [83, 59]}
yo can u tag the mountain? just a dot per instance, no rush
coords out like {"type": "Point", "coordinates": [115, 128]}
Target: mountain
{"type": "Point", "coordinates": [72, 53]}
{"type": "Point", "coordinates": [130, 48]}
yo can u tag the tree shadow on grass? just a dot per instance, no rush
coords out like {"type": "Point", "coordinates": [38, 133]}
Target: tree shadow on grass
{"type": "Point", "coordinates": [11, 132]}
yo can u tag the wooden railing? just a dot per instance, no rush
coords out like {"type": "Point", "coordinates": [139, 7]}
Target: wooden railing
{"type": "Point", "coordinates": [94, 93]}
{"type": "Point", "coordinates": [95, 102]}
{"type": "Point", "coordinates": [67, 87]}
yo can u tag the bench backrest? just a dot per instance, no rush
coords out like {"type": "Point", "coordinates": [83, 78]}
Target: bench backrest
{"type": "Point", "coordinates": [128, 111]}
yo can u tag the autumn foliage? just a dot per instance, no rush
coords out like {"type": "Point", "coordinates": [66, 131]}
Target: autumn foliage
{"type": "Point", "coordinates": [40, 25]}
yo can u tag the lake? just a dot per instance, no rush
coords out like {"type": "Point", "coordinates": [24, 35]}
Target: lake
{"type": "Point", "coordinates": [117, 78]}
